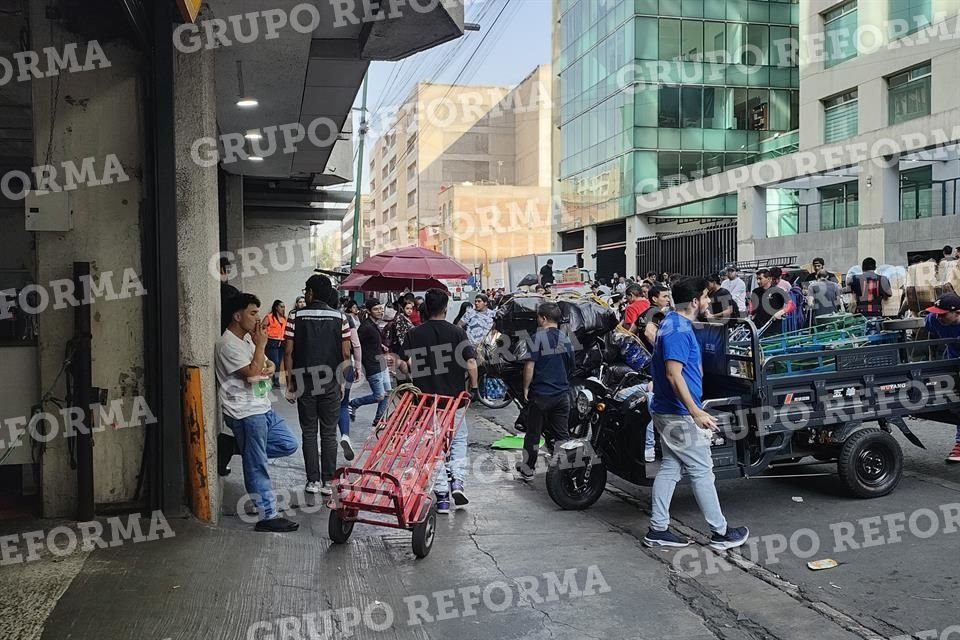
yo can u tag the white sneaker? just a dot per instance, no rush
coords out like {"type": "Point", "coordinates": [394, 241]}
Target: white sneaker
{"type": "Point", "coordinates": [326, 489]}
{"type": "Point", "coordinates": [347, 447]}
{"type": "Point", "coordinates": [650, 455]}
{"type": "Point", "coordinates": [313, 487]}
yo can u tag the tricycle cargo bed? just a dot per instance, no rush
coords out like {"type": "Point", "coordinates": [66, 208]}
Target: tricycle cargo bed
{"type": "Point", "coordinates": [859, 384]}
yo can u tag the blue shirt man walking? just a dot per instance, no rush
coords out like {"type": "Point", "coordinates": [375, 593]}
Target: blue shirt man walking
{"type": "Point", "coordinates": [685, 428]}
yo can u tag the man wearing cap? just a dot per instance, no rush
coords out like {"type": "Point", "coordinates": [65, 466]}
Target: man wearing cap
{"type": "Point", "coordinates": [943, 321]}
{"type": "Point", "coordinates": [818, 266]}
{"type": "Point", "coordinates": [737, 288]}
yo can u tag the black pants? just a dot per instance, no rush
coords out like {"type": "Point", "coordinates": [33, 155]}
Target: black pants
{"type": "Point", "coordinates": [548, 412]}
{"type": "Point", "coordinates": [319, 412]}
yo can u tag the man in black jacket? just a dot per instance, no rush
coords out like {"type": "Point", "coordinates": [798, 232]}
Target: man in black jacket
{"type": "Point", "coordinates": [318, 349]}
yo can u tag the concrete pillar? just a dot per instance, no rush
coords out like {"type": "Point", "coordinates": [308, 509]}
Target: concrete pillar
{"type": "Point", "coordinates": [751, 220]}
{"type": "Point", "coordinates": [233, 203]}
{"type": "Point", "coordinates": [590, 249]}
{"type": "Point", "coordinates": [630, 249]}
{"type": "Point", "coordinates": [280, 257]}
{"type": "Point", "coordinates": [97, 117]}
{"type": "Point", "coordinates": [637, 227]}
{"type": "Point", "coordinates": [198, 240]}
{"type": "Point", "coordinates": [879, 204]}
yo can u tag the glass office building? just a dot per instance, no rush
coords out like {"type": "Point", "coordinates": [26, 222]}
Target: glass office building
{"type": "Point", "coordinates": [657, 92]}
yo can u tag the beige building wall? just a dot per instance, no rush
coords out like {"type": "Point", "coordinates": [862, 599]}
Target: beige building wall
{"type": "Point", "coordinates": [484, 224]}
{"type": "Point", "coordinates": [447, 136]}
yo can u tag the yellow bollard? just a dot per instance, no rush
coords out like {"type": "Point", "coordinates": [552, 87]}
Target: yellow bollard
{"type": "Point", "coordinates": [195, 445]}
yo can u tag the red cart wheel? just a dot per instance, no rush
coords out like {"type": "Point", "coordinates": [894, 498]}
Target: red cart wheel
{"type": "Point", "coordinates": [424, 534]}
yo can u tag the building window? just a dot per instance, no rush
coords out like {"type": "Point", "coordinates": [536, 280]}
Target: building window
{"type": "Point", "coordinates": [916, 193]}
{"type": "Point", "coordinates": [393, 212]}
{"type": "Point", "coordinates": [668, 114]}
{"type": "Point", "coordinates": [393, 164]}
{"type": "Point", "coordinates": [907, 16]}
{"type": "Point", "coordinates": [465, 171]}
{"type": "Point", "coordinates": [840, 206]}
{"type": "Point", "coordinates": [394, 235]}
{"type": "Point", "coordinates": [412, 198]}
{"type": "Point", "coordinates": [669, 39]}
{"type": "Point", "coordinates": [839, 30]}
{"type": "Point", "coordinates": [385, 193]}
{"type": "Point", "coordinates": [412, 171]}
{"type": "Point", "coordinates": [385, 172]}
{"type": "Point", "coordinates": [840, 118]}
{"type": "Point", "coordinates": [909, 94]}
{"type": "Point", "coordinates": [393, 187]}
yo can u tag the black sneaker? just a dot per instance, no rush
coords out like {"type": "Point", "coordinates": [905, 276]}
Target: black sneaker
{"type": "Point", "coordinates": [526, 473]}
{"type": "Point", "coordinates": [277, 525]}
{"type": "Point", "coordinates": [352, 411]}
{"type": "Point", "coordinates": [733, 538]}
{"type": "Point", "coordinates": [664, 539]}
{"type": "Point", "coordinates": [459, 497]}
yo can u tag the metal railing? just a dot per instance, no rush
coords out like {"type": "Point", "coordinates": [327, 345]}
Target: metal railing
{"type": "Point", "coordinates": [929, 199]}
{"type": "Point", "coordinates": [833, 214]}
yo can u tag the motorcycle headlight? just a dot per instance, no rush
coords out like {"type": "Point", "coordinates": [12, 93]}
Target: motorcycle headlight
{"type": "Point", "coordinates": [584, 401]}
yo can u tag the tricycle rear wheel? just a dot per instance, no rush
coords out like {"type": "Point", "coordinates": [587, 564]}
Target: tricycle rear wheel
{"type": "Point", "coordinates": [424, 534]}
{"type": "Point", "coordinates": [870, 463]}
{"type": "Point", "coordinates": [338, 528]}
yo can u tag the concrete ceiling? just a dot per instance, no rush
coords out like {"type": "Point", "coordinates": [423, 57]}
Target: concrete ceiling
{"type": "Point", "coordinates": [302, 77]}
{"type": "Point", "coordinates": [277, 72]}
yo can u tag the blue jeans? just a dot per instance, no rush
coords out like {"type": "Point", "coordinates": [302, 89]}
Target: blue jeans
{"type": "Point", "coordinates": [379, 393]}
{"type": "Point", "coordinates": [624, 394]}
{"type": "Point", "coordinates": [686, 449]}
{"type": "Point", "coordinates": [261, 437]}
{"type": "Point", "coordinates": [274, 353]}
{"type": "Point", "coordinates": [456, 462]}
{"type": "Point", "coordinates": [345, 402]}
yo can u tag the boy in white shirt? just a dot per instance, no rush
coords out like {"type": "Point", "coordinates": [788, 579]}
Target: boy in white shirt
{"type": "Point", "coordinates": [244, 373]}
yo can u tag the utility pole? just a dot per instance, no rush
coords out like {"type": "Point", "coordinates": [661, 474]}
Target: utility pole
{"type": "Point", "coordinates": [357, 199]}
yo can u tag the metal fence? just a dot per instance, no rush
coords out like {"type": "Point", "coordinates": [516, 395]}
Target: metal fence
{"type": "Point", "coordinates": [694, 253]}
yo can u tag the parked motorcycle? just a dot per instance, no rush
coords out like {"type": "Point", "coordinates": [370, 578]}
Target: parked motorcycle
{"type": "Point", "coordinates": [500, 377]}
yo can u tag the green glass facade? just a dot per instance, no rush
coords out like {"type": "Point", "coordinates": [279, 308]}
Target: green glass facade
{"type": "Point", "coordinates": [654, 93]}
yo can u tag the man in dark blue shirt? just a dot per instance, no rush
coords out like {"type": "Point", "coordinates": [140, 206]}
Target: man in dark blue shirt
{"type": "Point", "coordinates": [546, 385]}
{"type": "Point", "coordinates": [943, 321]}
{"type": "Point", "coordinates": [685, 428]}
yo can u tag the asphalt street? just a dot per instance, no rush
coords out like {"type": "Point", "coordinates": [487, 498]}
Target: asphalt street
{"type": "Point", "coordinates": [905, 584]}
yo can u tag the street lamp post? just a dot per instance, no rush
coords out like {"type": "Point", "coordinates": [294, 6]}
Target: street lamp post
{"type": "Point", "coordinates": [485, 263]}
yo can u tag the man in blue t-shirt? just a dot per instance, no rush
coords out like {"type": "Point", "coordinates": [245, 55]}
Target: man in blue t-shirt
{"type": "Point", "coordinates": [546, 385]}
{"type": "Point", "coordinates": [685, 428]}
{"type": "Point", "coordinates": [943, 321]}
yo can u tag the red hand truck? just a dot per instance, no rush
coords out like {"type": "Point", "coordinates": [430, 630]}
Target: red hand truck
{"type": "Point", "coordinates": [394, 482]}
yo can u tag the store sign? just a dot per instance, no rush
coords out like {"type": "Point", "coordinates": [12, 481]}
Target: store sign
{"type": "Point", "coordinates": [189, 9]}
